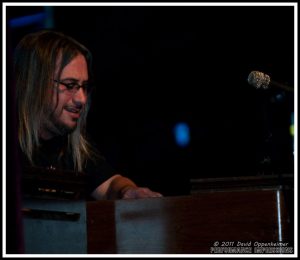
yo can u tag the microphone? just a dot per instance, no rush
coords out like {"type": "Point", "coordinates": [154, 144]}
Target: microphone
{"type": "Point", "coordinates": [258, 80]}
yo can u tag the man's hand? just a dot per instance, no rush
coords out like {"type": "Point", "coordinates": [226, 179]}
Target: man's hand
{"type": "Point", "coordinates": [119, 187]}
{"type": "Point", "coordinates": [139, 193]}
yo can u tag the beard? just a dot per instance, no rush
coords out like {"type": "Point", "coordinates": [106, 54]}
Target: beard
{"type": "Point", "coordinates": [61, 128]}
{"type": "Point", "coordinates": [51, 127]}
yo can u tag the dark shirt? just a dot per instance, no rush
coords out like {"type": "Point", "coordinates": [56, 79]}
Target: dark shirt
{"type": "Point", "coordinates": [51, 155]}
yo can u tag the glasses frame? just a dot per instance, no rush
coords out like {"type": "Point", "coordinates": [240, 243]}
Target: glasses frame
{"type": "Point", "coordinates": [76, 86]}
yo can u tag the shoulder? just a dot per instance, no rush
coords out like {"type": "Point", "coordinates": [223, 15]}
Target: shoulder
{"type": "Point", "coordinates": [97, 164]}
{"type": "Point", "coordinates": [98, 171]}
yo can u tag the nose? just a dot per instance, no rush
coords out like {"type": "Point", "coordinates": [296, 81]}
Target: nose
{"type": "Point", "coordinates": [80, 97]}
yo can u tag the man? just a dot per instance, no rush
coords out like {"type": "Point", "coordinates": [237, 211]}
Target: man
{"type": "Point", "coordinates": [53, 75]}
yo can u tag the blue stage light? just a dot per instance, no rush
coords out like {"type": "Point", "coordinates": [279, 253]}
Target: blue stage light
{"type": "Point", "coordinates": [27, 20]}
{"type": "Point", "coordinates": [182, 134]}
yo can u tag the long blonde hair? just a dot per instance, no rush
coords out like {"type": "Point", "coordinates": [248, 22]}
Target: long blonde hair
{"type": "Point", "coordinates": [34, 64]}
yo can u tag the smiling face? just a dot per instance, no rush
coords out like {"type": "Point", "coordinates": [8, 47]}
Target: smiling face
{"type": "Point", "coordinates": [67, 104]}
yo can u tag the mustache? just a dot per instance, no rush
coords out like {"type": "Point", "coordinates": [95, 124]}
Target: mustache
{"type": "Point", "coordinates": [74, 108]}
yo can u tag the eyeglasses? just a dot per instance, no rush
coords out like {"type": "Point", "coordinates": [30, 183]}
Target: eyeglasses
{"type": "Point", "coordinates": [73, 87]}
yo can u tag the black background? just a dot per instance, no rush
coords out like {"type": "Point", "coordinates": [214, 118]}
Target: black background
{"type": "Point", "coordinates": [156, 66]}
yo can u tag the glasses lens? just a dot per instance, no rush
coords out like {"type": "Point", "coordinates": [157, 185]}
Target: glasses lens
{"type": "Point", "coordinates": [73, 87]}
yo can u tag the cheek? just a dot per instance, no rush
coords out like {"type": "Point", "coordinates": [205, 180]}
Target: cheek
{"type": "Point", "coordinates": [58, 102]}
{"type": "Point", "coordinates": [55, 99]}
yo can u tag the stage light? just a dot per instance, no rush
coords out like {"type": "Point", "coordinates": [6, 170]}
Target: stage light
{"type": "Point", "coordinates": [182, 134]}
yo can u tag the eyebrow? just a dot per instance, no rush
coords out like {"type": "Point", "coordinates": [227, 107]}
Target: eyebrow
{"type": "Point", "coordinates": [73, 79]}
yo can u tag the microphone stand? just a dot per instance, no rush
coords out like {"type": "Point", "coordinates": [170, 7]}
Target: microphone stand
{"type": "Point", "coordinates": [268, 165]}
{"type": "Point", "coordinates": [266, 160]}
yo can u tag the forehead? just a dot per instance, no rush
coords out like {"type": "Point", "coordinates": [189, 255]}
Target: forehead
{"type": "Point", "coordinates": [77, 68]}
